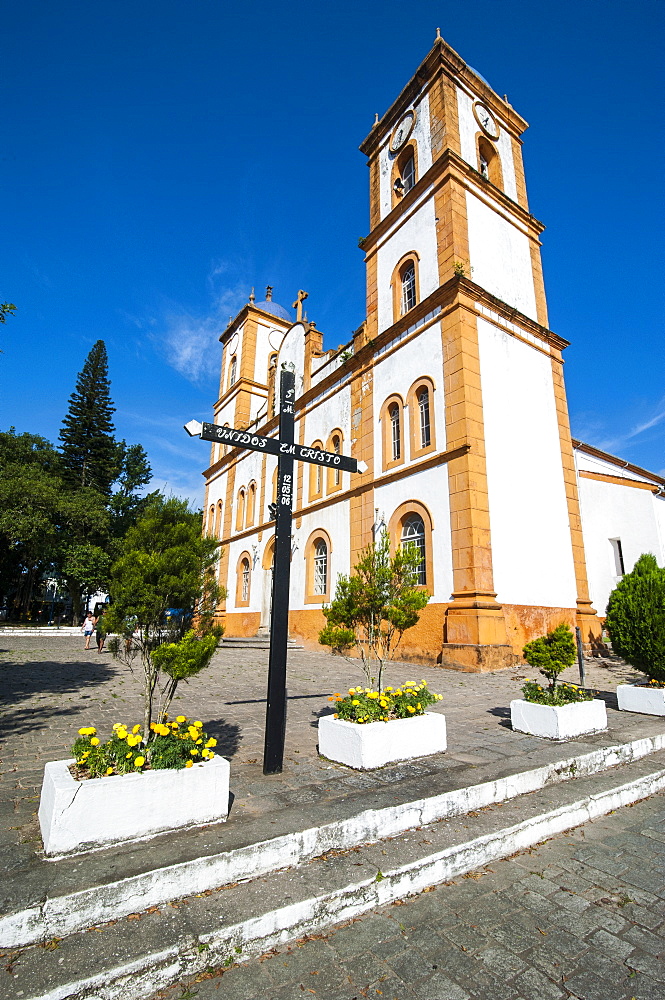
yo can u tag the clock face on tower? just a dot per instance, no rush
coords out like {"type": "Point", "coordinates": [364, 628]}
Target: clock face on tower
{"type": "Point", "coordinates": [486, 120]}
{"type": "Point", "coordinates": [402, 131]}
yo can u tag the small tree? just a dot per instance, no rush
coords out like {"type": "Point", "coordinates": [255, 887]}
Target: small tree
{"type": "Point", "coordinates": [164, 595]}
{"type": "Point", "coordinates": [636, 617]}
{"type": "Point", "coordinates": [552, 653]}
{"type": "Point", "coordinates": [373, 608]}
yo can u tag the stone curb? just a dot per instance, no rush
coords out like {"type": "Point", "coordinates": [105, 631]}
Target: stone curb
{"type": "Point", "coordinates": [66, 914]}
{"type": "Point", "coordinates": [254, 936]}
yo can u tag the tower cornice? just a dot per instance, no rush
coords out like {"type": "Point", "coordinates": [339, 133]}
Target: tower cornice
{"type": "Point", "coordinates": [441, 57]}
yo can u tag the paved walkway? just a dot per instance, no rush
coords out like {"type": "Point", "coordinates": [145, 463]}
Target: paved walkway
{"type": "Point", "coordinates": [580, 916]}
{"type": "Point", "coordinates": [50, 686]}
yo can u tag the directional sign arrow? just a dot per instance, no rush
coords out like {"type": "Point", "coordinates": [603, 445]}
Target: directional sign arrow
{"type": "Point", "coordinates": [273, 446]}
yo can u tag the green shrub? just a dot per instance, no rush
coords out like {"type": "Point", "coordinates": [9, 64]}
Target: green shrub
{"type": "Point", "coordinates": [636, 618]}
{"type": "Point", "coordinates": [176, 744]}
{"type": "Point", "coordinates": [562, 694]}
{"type": "Point", "coordinates": [552, 653]}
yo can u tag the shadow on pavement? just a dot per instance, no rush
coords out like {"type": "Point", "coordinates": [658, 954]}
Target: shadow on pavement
{"type": "Point", "coordinates": [227, 735]}
{"type": "Point", "coordinates": [20, 681]}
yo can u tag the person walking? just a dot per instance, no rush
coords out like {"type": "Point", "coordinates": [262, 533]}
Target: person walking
{"type": "Point", "coordinates": [100, 632]}
{"type": "Point", "coordinates": [88, 627]}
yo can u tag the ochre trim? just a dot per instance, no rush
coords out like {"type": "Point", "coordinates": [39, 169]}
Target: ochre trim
{"type": "Point", "coordinates": [387, 460]}
{"type": "Point", "coordinates": [618, 481]}
{"type": "Point", "coordinates": [413, 406]}
{"type": "Point", "coordinates": [308, 555]}
{"type": "Point", "coordinates": [614, 460]}
{"type": "Point", "coordinates": [395, 527]}
{"type": "Point", "coordinates": [240, 603]}
{"type": "Point", "coordinates": [587, 618]}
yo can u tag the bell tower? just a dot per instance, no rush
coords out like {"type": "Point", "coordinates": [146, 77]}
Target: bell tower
{"type": "Point", "coordinates": [452, 241]}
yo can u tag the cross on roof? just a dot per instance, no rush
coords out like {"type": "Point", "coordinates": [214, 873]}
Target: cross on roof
{"type": "Point", "coordinates": [297, 305]}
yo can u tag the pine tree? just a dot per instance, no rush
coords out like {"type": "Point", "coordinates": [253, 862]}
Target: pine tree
{"type": "Point", "coordinates": [90, 453]}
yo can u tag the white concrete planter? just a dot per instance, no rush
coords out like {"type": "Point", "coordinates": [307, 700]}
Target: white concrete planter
{"type": "Point", "coordinates": [374, 744]}
{"type": "Point", "coordinates": [638, 698]}
{"type": "Point", "coordinates": [77, 816]}
{"type": "Point", "coordinates": [558, 722]}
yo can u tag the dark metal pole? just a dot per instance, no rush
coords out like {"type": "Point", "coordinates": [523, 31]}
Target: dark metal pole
{"type": "Point", "coordinates": [580, 655]}
{"type": "Point", "coordinates": [273, 752]}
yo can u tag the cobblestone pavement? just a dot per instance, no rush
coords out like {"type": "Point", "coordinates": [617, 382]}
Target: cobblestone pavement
{"type": "Point", "coordinates": [582, 916]}
{"type": "Point", "coordinates": [50, 686]}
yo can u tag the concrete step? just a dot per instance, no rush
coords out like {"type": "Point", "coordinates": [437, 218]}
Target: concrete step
{"type": "Point", "coordinates": [250, 899]}
{"type": "Point", "coordinates": [28, 631]}
{"type": "Point", "coordinates": [253, 642]}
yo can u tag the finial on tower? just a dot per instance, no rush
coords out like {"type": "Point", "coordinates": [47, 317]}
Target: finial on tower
{"type": "Point", "coordinates": [297, 305]}
{"type": "Point", "coordinates": [268, 293]}
{"type": "Point", "coordinates": [252, 297]}
{"type": "Point", "coordinates": [376, 118]}
{"type": "Point", "coordinates": [438, 35]}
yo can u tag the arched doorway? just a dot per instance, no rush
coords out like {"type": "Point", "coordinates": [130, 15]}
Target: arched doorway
{"type": "Point", "coordinates": [267, 563]}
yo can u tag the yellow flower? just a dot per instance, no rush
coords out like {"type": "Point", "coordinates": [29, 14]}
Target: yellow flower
{"type": "Point", "coordinates": [136, 729]}
{"type": "Point", "coordinates": [336, 716]}
{"type": "Point", "coordinates": [83, 732]}
{"type": "Point", "coordinates": [116, 725]}
{"type": "Point", "coordinates": [190, 763]}
{"type": "Point", "coordinates": [352, 690]}
{"type": "Point", "coordinates": [388, 689]}
{"type": "Point", "coordinates": [109, 770]}
{"type": "Point", "coordinates": [355, 702]}
{"type": "Point", "coordinates": [199, 725]}
{"type": "Point", "coordinates": [398, 691]}
{"type": "Point", "coordinates": [127, 755]}
{"type": "Point", "coordinates": [419, 706]}
{"type": "Point", "coordinates": [373, 694]}
{"type": "Point", "coordinates": [212, 742]}
{"type": "Point", "coordinates": [194, 752]}
{"type": "Point", "coordinates": [139, 761]}
{"type": "Point", "coordinates": [181, 718]}
{"type": "Point", "coordinates": [411, 708]}
{"type": "Point", "coordinates": [94, 741]}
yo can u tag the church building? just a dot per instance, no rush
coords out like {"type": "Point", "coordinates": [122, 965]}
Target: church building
{"type": "Point", "coordinates": [451, 392]}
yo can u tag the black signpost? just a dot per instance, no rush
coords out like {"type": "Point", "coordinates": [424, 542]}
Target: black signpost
{"type": "Point", "coordinates": [287, 451]}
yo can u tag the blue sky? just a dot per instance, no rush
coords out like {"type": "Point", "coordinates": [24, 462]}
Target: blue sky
{"type": "Point", "coordinates": [160, 159]}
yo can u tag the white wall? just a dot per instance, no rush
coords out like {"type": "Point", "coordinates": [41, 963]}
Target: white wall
{"type": "Point", "coordinates": [417, 233]}
{"type": "Point", "coordinates": [292, 350]}
{"type": "Point", "coordinates": [336, 521]}
{"type": "Point", "coordinates": [531, 544]}
{"type": "Point", "coordinates": [469, 129]}
{"type": "Point", "coordinates": [421, 135]}
{"type": "Point", "coordinates": [613, 511]}
{"type": "Point", "coordinates": [397, 372]}
{"type": "Point", "coordinates": [500, 256]}
{"type": "Point", "coordinates": [431, 489]}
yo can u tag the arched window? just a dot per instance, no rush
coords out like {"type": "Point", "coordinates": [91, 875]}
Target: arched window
{"type": "Point", "coordinates": [405, 284]}
{"type": "Point", "coordinates": [392, 431]}
{"type": "Point", "coordinates": [395, 432]}
{"type": "Point", "coordinates": [210, 526]}
{"type": "Point", "coordinates": [421, 417]}
{"type": "Point", "coordinates": [240, 509]}
{"type": "Point", "coordinates": [218, 520]}
{"type": "Point", "coordinates": [243, 579]}
{"type": "Point", "coordinates": [321, 567]}
{"type": "Point", "coordinates": [316, 476]}
{"type": "Point", "coordinates": [251, 505]}
{"type": "Point", "coordinates": [411, 524]}
{"type": "Point", "coordinates": [334, 474]}
{"type": "Point", "coordinates": [413, 533]}
{"type": "Point", "coordinates": [408, 173]}
{"type": "Point", "coordinates": [489, 161]}
{"type": "Point", "coordinates": [317, 569]}
{"type": "Point", "coordinates": [404, 172]}
{"type": "Point", "coordinates": [272, 384]}
{"type": "Point", "coordinates": [408, 277]}
{"type": "Point", "coordinates": [234, 371]}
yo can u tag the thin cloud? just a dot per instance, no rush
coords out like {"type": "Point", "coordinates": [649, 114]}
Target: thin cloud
{"type": "Point", "coordinates": [190, 342]}
{"type": "Point", "coordinates": [628, 439]}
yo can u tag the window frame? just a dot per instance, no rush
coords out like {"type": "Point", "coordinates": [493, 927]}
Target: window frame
{"type": "Point", "coordinates": [410, 259]}
{"type": "Point", "coordinates": [315, 489]}
{"type": "Point", "coordinates": [388, 462]}
{"type": "Point", "coordinates": [243, 598]}
{"type": "Point", "coordinates": [415, 439]}
{"type": "Point", "coordinates": [334, 476]}
{"type": "Point", "coordinates": [487, 151]}
{"type": "Point", "coordinates": [316, 536]}
{"type": "Point", "coordinates": [395, 530]}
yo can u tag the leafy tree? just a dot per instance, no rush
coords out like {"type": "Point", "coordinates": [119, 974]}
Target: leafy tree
{"type": "Point", "coordinates": [6, 309]}
{"type": "Point", "coordinates": [165, 567]}
{"type": "Point", "coordinates": [552, 653]}
{"type": "Point", "coordinates": [373, 608]}
{"type": "Point", "coordinates": [90, 453]}
{"type": "Point", "coordinates": [636, 617]}
{"type": "Point", "coordinates": [126, 505]}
